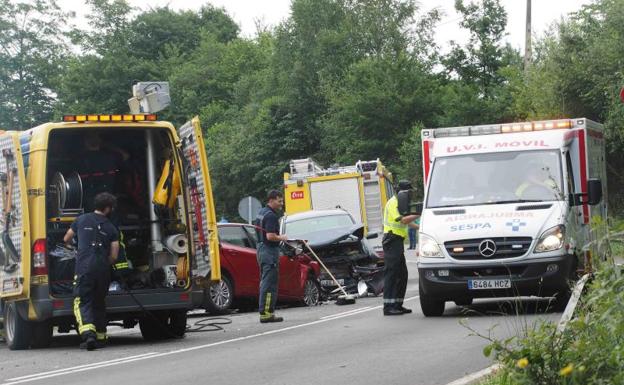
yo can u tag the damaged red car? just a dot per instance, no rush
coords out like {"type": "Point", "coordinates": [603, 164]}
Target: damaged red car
{"type": "Point", "coordinates": [240, 277]}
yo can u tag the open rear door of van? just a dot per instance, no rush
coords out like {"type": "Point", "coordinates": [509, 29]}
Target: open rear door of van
{"type": "Point", "coordinates": [201, 212]}
{"type": "Point", "coordinates": [14, 220]}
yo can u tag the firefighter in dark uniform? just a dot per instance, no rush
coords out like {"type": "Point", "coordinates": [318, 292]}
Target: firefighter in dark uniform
{"type": "Point", "coordinates": [98, 247]}
{"type": "Point", "coordinates": [395, 270]}
{"type": "Point", "coordinates": [268, 255]}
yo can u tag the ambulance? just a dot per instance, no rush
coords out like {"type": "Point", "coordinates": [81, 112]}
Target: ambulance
{"type": "Point", "coordinates": [165, 212]}
{"type": "Point", "coordinates": [362, 190]}
{"type": "Point", "coordinates": [509, 210]}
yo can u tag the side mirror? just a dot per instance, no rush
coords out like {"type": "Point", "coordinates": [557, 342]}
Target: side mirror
{"type": "Point", "coordinates": [372, 236]}
{"type": "Point", "coordinates": [408, 204]}
{"type": "Point", "coordinates": [594, 191]}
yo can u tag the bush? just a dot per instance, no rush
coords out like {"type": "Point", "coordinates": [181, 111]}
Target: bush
{"type": "Point", "coordinates": [591, 351]}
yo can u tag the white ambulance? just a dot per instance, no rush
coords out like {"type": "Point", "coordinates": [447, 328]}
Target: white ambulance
{"type": "Point", "coordinates": [510, 210]}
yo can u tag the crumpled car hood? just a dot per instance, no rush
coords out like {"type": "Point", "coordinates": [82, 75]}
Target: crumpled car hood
{"type": "Point", "coordinates": [328, 238]}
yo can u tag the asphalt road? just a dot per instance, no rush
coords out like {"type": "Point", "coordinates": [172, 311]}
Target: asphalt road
{"type": "Point", "coordinates": [325, 344]}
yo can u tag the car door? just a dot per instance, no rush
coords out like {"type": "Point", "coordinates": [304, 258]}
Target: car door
{"type": "Point", "coordinates": [241, 255]}
{"type": "Point", "coordinates": [289, 283]}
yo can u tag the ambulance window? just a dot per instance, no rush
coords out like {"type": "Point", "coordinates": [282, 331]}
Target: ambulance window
{"type": "Point", "coordinates": [571, 184]}
{"type": "Point", "coordinates": [234, 235]}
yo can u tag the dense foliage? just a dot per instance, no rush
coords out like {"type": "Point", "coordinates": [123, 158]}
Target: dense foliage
{"type": "Point", "coordinates": [339, 80]}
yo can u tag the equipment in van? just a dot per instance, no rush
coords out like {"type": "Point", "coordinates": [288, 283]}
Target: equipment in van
{"type": "Point", "coordinates": [177, 243]}
{"type": "Point", "coordinates": [66, 194]}
{"type": "Point", "coordinates": [11, 256]}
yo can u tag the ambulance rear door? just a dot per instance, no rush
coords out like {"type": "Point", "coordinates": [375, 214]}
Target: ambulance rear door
{"type": "Point", "coordinates": [14, 221]}
{"type": "Point", "coordinates": [204, 242]}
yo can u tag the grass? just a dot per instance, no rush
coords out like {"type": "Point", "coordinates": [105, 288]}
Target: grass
{"type": "Point", "coordinates": [591, 351]}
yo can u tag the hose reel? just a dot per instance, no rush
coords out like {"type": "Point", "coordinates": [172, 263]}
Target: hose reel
{"type": "Point", "coordinates": [68, 194]}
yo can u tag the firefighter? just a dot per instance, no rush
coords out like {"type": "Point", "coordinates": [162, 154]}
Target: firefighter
{"type": "Point", "coordinates": [268, 255]}
{"type": "Point", "coordinates": [395, 270]}
{"type": "Point", "coordinates": [98, 247]}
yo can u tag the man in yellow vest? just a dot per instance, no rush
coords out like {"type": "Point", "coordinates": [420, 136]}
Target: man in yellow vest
{"type": "Point", "coordinates": [539, 184]}
{"type": "Point", "coordinates": [395, 270]}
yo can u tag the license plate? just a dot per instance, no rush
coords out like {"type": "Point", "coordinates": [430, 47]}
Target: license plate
{"type": "Point", "coordinates": [482, 284]}
{"type": "Point", "coordinates": [329, 282]}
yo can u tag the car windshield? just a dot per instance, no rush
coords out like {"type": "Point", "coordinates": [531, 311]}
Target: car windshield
{"type": "Point", "coordinates": [491, 178]}
{"type": "Point", "coordinates": [298, 228]}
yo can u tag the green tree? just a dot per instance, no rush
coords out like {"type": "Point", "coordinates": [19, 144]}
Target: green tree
{"type": "Point", "coordinates": [32, 49]}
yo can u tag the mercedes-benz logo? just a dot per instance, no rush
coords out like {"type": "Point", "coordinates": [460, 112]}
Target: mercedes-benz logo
{"type": "Point", "coordinates": [487, 248]}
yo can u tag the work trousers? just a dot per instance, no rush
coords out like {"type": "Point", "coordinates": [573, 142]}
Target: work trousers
{"type": "Point", "coordinates": [268, 262]}
{"type": "Point", "coordinates": [395, 272]}
{"type": "Point", "coordinates": [90, 290]}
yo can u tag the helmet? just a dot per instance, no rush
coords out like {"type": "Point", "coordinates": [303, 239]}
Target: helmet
{"type": "Point", "coordinates": [404, 185]}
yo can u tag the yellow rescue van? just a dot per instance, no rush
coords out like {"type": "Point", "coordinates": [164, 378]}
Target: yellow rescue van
{"type": "Point", "coordinates": [165, 213]}
{"type": "Point", "coordinates": [362, 189]}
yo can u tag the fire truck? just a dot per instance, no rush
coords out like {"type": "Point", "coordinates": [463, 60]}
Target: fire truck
{"type": "Point", "coordinates": [510, 210]}
{"type": "Point", "coordinates": [165, 212]}
{"type": "Point", "coordinates": [362, 190]}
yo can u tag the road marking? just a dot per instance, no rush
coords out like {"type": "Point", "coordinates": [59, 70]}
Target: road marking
{"type": "Point", "coordinates": [476, 376]}
{"type": "Point", "coordinates": [82, 368]}
{"type": "Point", "coordinates": [346, 312]}
{"type": "Point", "coordinates": [77, 368]}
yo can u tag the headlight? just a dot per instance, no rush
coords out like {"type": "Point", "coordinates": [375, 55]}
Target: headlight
{"type": "Point", "coordinates": [428, 248]}
{"type": "Point", "coordinates": [551, 239]}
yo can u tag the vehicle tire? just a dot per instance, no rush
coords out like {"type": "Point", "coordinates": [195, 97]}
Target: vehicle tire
{"type": "Point", "coordinates": [177, 323]}
{"type": "Point", "coordinates": [311, 292]}
{"type": "Point", "coordinates": [154, 326]}
{"type": "Point", "coordinates": [218, 298]}
{"type": "Point", "coordinates": [430, 307]}
{"type": "Point", "coordinates": [464, 302]}
{"type": "Point", "coordinates": [41, 336]}
{"type": "Point", "coordinates": [17, 330]}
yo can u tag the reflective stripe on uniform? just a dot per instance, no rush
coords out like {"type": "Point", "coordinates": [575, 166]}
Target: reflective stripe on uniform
{"type": "Point", "coordinates": [82, 328]}
{"type": "Point", "coordinates": [101, 336]}
{"type": "Point", "coordinates": [267, 304]}
{"type": "Point", "coordinates": [121, 265]}
{"type": "Point", "coordinates": [392, 219]}
{"type": "Point", "coordinates": [393, 300]}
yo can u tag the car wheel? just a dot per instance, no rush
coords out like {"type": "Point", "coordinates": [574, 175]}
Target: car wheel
{"type": "Point", "coordinates": [219, 296]}
{"type": "Point", "coordinates": [311, 292]}
{"type": "Point", "coordinates": [177, 323]}
{"type": "Point", "coordinates": [17, 330]}
{"type": "Point", "coordinates": [430, 307]}
{"type": "Point", "coordinates": [154, 326]}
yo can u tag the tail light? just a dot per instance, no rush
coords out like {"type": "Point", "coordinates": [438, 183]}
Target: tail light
{"type": "Point", "coordinates": [40, 258]}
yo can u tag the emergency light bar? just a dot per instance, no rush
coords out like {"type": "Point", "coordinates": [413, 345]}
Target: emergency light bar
{"type": "Point", "coordinates": [110, 118]}
{"type": "Point", "coordinates": [502, 128]}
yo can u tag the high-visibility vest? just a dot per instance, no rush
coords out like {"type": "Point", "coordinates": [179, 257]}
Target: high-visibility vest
{"type": "Point", "coordinates": [392, 219]}
{"type": "Point", "coordinates": [548, 183]}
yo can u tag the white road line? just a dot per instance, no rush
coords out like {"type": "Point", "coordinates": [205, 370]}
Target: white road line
{"type": "Point", "coordinates": [60, 372]}
{"type": "Point", "coordinates": [476, 376]}
{"type": "Point", "coordinates": [81, 366]}
{"type": "Point", "coordinates": [346, 312]}
{"type": "Point", "coordinates": [354, 313]}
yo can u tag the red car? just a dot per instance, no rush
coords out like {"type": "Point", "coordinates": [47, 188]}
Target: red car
{"type": "Point", "coordinates": [240, 278]}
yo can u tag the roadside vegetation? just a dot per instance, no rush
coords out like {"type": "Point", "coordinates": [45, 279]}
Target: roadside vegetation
{"type": "Point", "coordinates": [589, 351]}
{"type": "Point", "coordinates": [338, 80]}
